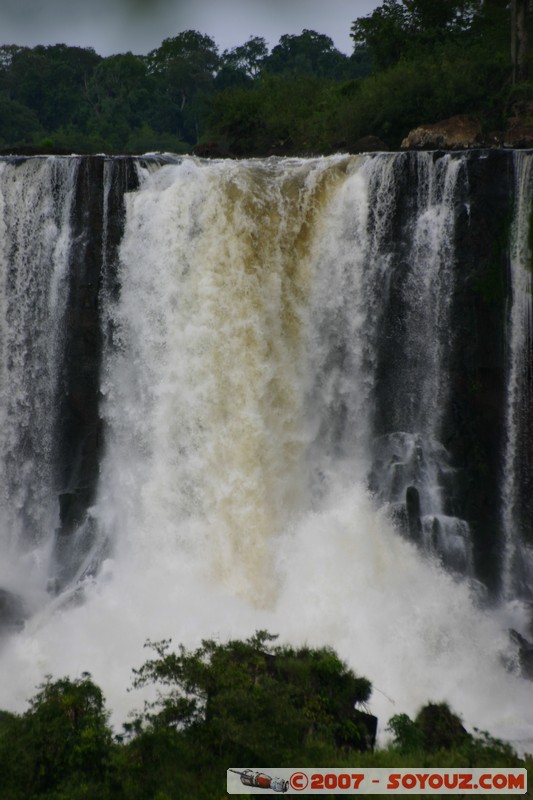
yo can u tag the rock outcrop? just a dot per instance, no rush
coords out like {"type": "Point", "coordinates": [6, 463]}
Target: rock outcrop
{"type": "Point", "coordinates": [519, 133]}
{"type": "Point", "coordinates": [463, 132]}
{"type": "Point", "coordinates": [456, 133]}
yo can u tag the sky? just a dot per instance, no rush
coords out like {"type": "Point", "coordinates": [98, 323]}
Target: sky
{"type": "Point", "coordinates": [118, 26]}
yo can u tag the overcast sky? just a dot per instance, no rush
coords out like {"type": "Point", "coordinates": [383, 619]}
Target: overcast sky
{"type": "Point", "coordinates": [116, 26]}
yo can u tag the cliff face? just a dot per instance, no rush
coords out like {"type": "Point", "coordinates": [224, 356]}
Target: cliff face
{"type": "Point", "coordinates": [461, 237]}
{"type": "Point", "coordinates": [474, 351]}
{"type": "Point", "coordinates": [476, 417]}
{"type": "Point", "coordinates": [96, 230]}
{"type": "Point", "coordinates": [489, 422]}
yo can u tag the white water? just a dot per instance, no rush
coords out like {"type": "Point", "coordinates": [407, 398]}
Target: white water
{"type": "Point", "coordinates": [518, 387]}
{"type": "Point", "coordinates": [35, 207]}
{"type": "Point", "coordinates": [231, 501]}
{"type": "Point", "coordinates": [412, 455]}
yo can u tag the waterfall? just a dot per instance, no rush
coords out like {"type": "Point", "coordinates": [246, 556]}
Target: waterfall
{"type": "Point", "coordinates": [411, 469]}
{"type": "Point", "coordinates": [36, 200]}
{"type": "Point", "coordinates": [244, 374]}
{"type": "Point", "coordinates": [518, 552]}
{"type": "Point", "coordinates": [273, 369]}
{"type": "Point", "coordinates": [206, 388]}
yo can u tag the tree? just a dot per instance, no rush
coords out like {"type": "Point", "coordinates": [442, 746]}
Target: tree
{"type": "Point", "coordinates": [519, 9]}
{"type": "Point", "coordinates": [67, 732]}
{"type": "Point", "coordinates": [60, 747]}
{"type": "Point", "coordinates": [248, 58]}
{"type": "Point", "coordinates": [435, 728]}
{"type": "Point", "coordinates": [360, 62]}
{"type": "Point", "coordinates": [7, 54]}
{"type": "Point", "coordinates": [309, 53]}
{"type": "Point", "coordinates": [236, 121]}
{"type": "Point", "coordinates": [278, 115]}
{"type": "Point", "coordinates": [185, 67]}
{"type": "Point", "coordinates": [401, 27]}
{"type": "Point", "coordinates": [439, 19]}
{"type": "Point", "coordinates": [18, 124]}
{"type": "Point", "coordinates": [257, 703]}
{"type": "Point", "coordinates": [50, 81]}
{"type": "Point", "coordinates": [441, 729]}
{"type": "Point", "coordinates": [241, 703]}
{"type": "Point", "coordinates": [438, 730]}
{"type": "Point", "coordinates": [384, 32]}
{"type": "Point", "coordinates": [120, 98]}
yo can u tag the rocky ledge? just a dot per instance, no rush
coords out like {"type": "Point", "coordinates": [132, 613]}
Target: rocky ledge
{"type": "Point", "coordinates": [463, 132]}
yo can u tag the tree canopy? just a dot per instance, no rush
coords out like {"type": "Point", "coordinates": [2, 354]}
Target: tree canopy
{"type": "Point", "coordinates": [242, 703]}
{"type": "Point", "coordinates": [414, 62]}
{"type": "Point", "coordinates": [257, 699]}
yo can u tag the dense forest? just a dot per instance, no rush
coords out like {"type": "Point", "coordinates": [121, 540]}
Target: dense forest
{"type": "Point", "coordinates": [414, 61]}
{"type": "Point", "coordinates": [222, 705]}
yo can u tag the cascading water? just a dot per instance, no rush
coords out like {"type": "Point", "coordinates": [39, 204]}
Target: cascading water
{"type": "Point", "coordinates": [266, 408]}
{"type": "Point", "coordinates": [35, 213]}
{"type": "Point", "coordinates": [211, 367]}
{"type": "Point", "coordinates": [411, 465]}
{"type": "Point", "coordinates": [518, 554]}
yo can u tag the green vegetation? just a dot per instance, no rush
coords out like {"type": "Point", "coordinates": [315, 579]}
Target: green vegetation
{"type": "Point", "coordinates": [414, 62]}
{"type": "Point", "coordinates": [241, 703]}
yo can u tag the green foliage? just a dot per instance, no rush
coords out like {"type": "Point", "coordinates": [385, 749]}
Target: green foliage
{"type": "Point", "coordinates": [246, 702]}
{"type": "Point", "coordinates": [281, 115]}
{"type": "Point", "coordinates": [119, 86]}
{"type": "Point", "coordinates": [18, 123]}
{"type": "Point", "coordinates": [414, 62]}
{"type": "Point", "coordinates": [60, 747]}
{"type": "Point", "coordinates": [432, 61]}
{"type": "Point", "coordinates": [255, 701]}
{"type": "Point", "coordinates": [184, 68]}
{"type": "Point", "coordinates": [384, 32]}
{"type": "Point", "coordinates": [408, 736]}
{"type": "Point", "coordinates": [437, 737]}
{"type": "Point", "coordinates": [248, 58]}
{"type": "Point", "coordinates": [236, 121]}
{"type": "Point", "coordinates": [309, 53]}
{"type": "Point", "coordinates": [441, 729]}
{"type": "Point", "coordinates": [402, 28]}
{"type": "Point", "coordinates": [145, 139]}
{"type": "Point", "coordinates": [50, 82]}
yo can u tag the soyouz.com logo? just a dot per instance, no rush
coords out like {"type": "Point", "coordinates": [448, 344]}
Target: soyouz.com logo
{"type": "Point", "coordinates": [241, 780]}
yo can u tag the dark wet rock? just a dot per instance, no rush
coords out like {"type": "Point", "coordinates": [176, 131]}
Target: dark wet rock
{"type": "Point", "coordinates": [13, 611]}
{"type": "Point", "coordinates": [412, 505]}
{"type": "Point", "coordinates": [525, 653]}
{"type": "Point", "coordinates": [366, 726]}
{"type": "Point", "coordinates": [369, 144]}
{"type": "Point", "coordinates": [211, 150]}
{"type": "Point", "coordinates": [473, 416]}
{"type": "Point", "coordinates": [79, 433]}
{"type": "Point", "coordinates": [474, 424]}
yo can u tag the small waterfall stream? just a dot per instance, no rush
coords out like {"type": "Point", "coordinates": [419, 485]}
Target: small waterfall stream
{"type": "Point", "coordinates": [516, 494]}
